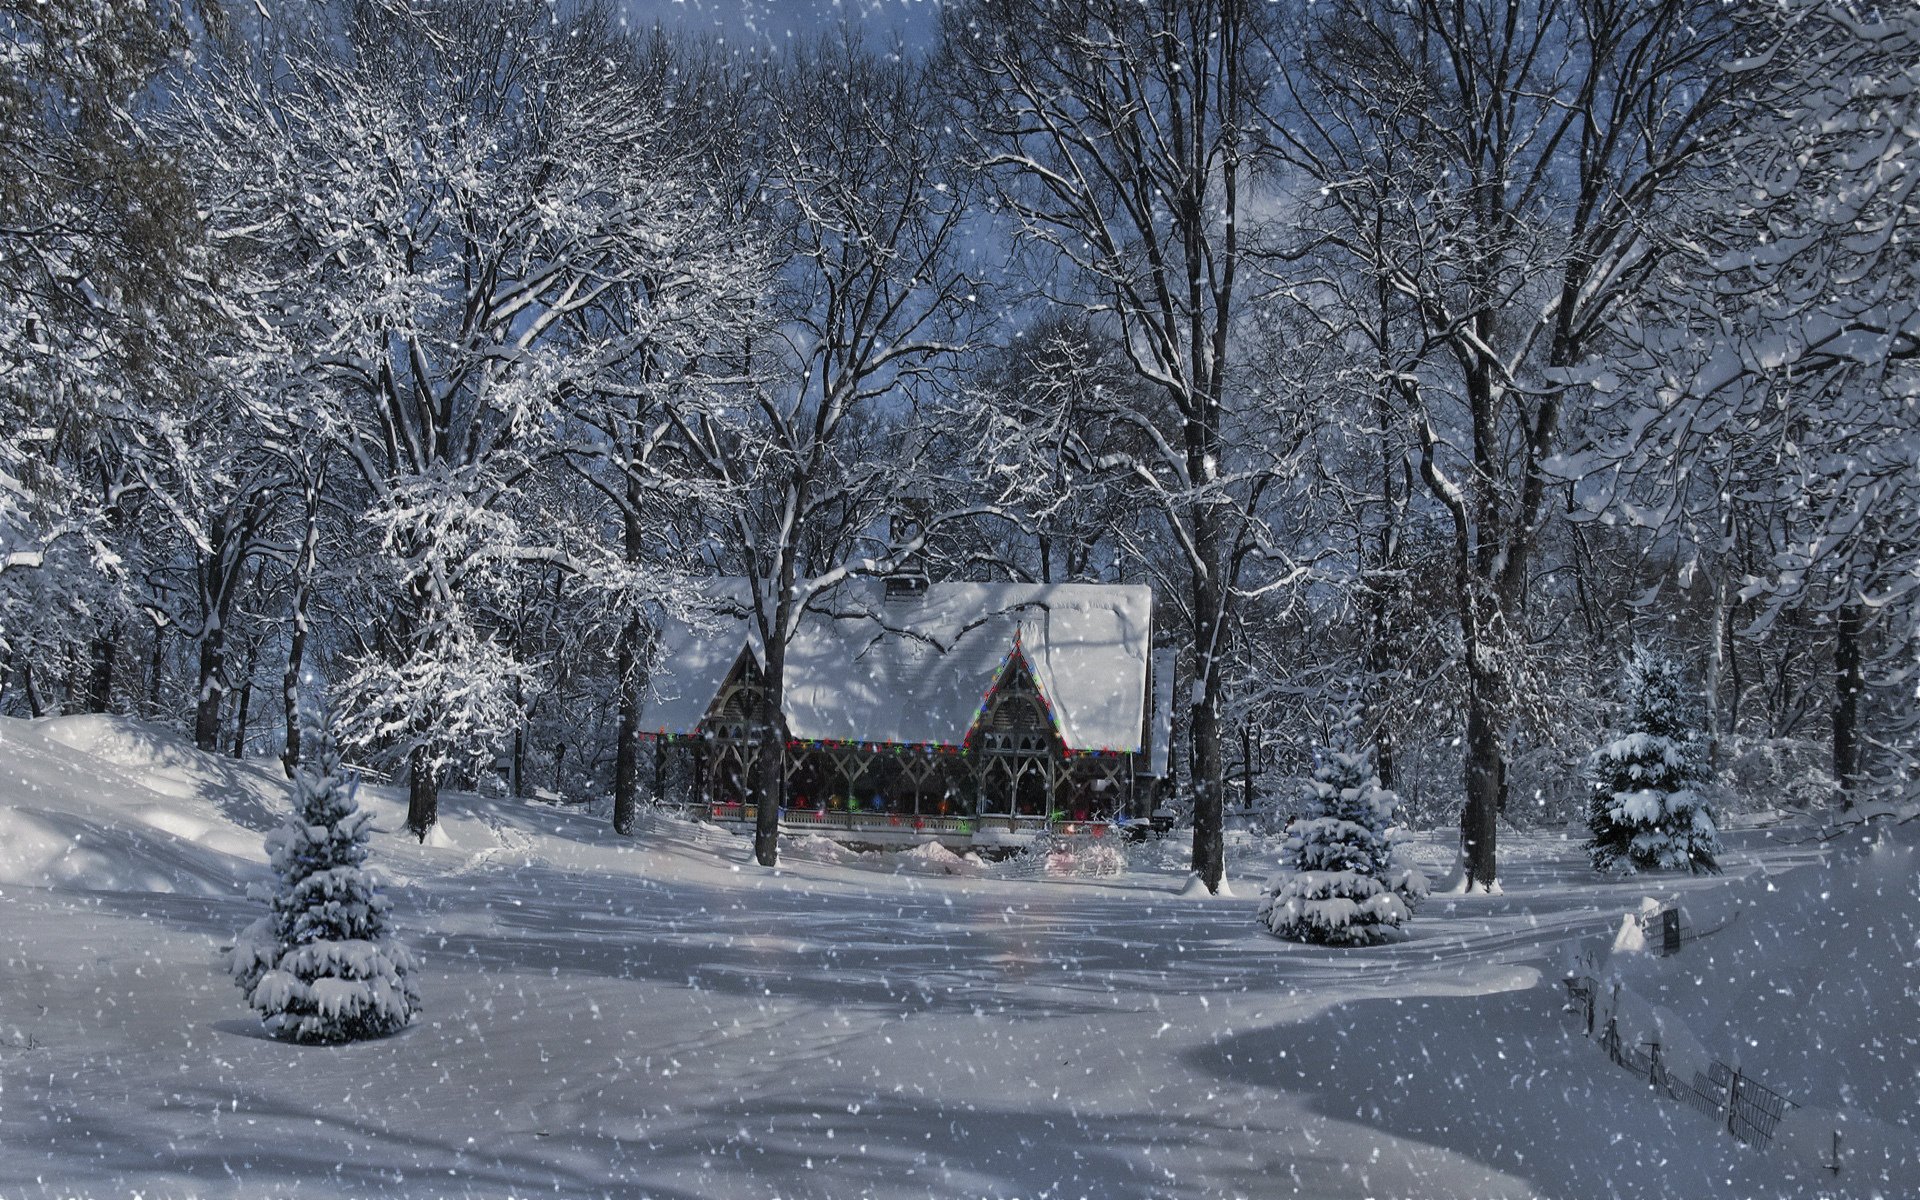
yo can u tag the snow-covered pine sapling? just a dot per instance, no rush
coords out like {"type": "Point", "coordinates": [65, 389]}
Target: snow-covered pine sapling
{"type": "Point", "coordinates": [1345, 880]}
{"type": "Point", "coordinates": [321, 965]}
{"type": "Point", "coordinates": [1646, 811]}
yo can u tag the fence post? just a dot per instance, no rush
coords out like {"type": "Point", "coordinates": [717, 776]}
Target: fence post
{"type": "Point", "coordinates": [1733, 1099]}
{"type": "Point", "coordinates": [1654, 1071]}
{"type": "Point", "coordinates": [1834, 1166]}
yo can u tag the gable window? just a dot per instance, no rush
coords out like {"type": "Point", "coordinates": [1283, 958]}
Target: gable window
{"type": "Point", "coordinates": [1020, 751]}
{"type": "Point", "coordinates": [734, 753]}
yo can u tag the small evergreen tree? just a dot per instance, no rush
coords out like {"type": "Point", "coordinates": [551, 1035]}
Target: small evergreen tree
{"type": "Point", "coordinates": [1345, 881]}
{"type": "Point", "coordinates": [1646, 811]}
{"type": "Point", "coordinates": [321, 966]}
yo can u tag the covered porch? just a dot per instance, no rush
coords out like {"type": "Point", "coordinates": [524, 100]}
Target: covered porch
{"type": "Point", "coordinates": [1065, 730]}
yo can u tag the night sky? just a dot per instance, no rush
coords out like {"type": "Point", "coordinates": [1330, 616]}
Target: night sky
{"type": "Point", "coordinates": [914, 22]}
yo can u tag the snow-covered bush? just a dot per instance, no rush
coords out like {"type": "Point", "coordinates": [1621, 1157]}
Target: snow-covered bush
{"type": "Point", "coordinates": [1345, 880]}
{"type": "Point", "coordinates": [1647, 809]}
{"type": "Point", "coordinates": [320, 966]}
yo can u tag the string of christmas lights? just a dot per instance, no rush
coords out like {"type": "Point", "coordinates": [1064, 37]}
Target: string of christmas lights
{"type": "Point", "coordinates": [966, 747]}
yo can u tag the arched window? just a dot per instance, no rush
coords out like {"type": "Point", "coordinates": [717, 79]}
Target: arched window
{"type": "Point", "coordinates": [1016, 739]}
{"type": "Point", "coordinates": [730, 729]}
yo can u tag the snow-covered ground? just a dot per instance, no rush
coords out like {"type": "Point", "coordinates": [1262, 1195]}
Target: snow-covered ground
{"type": "Point", "coordinates": [663, 1018]}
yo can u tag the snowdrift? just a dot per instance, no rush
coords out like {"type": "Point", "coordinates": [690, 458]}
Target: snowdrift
{"type": "Point", "coordinates": [108, 803]}
{"type": "Point", "coordinates": [114, 804]}
{"type": "Point", "coordinates": [1808, 982]}
{"type": "Point", "coordinates": [597, 1007]}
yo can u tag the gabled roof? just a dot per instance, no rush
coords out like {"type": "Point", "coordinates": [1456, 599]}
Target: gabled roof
{"type": "Point", "coordinates": [866, 669]}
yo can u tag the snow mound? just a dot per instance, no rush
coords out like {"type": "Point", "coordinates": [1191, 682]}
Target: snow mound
{"type": "Point", "coordinates": [68, 850]}
{"type": "Point", "coordinates": [812, 847]}
{"type": "Point", "coordinates": [1194, 889]}
{"type": "Point", "coordinates": [935, 859]}
{"type": "Point", "coordinates": [109, 803]}
{"type": "Point", "coordinates": [1808, 982]}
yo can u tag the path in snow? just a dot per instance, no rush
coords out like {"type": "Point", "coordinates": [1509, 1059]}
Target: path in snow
{"type": "Point", "coordinates": [672, 1021]}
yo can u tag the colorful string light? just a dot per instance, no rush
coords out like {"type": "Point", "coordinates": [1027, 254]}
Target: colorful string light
{"type": "Point", "coordinates": [1016, 653]}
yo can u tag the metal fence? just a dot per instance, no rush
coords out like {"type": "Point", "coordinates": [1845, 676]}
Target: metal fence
{"type": "Point", "coordinates": [1745, 1107]}
{"type": "Point", "coordinates": [1666, 930]}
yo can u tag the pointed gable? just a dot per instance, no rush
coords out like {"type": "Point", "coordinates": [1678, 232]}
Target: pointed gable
{"type": "Point", "coordinates": [919, 670]}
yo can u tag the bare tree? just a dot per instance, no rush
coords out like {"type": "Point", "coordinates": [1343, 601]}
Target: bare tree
{"type": "Point", "coordinates": [1118, 136]}
{"type": "Point", "coordinates": [99, 265]}
{"type": "Point", "coordinates": [1765, 408]}
{"type": "Point", "coordinates": [1483, 176]}
{"type": "Point", "coordinates": [682, 337]}
{"type": "Point", "coordinates": [871, 301]}
{"type": "Point", "coordinates": [457, 197]}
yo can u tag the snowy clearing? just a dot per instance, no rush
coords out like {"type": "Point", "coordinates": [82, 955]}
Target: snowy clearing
{"type": "Point", "coordinates": [662, 1018]}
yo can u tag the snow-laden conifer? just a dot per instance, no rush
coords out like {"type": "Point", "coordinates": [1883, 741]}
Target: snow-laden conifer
{"type": "Point", "coordinates": [1646, 810]}
{"type": "Point", "coordinates": [1345, 881]}
{"type": "Point", "coordinates": [321, 966]}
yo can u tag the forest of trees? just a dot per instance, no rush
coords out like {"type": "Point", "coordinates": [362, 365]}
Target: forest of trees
{"type": "Point", "coordinates": [1426, 356]}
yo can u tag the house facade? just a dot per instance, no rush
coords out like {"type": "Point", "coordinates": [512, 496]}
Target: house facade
{"type": "Point", "coordinates": [970, 713]}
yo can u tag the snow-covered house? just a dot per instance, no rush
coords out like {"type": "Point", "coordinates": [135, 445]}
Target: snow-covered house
{"type": "Point", "coordinates": [963, 711]}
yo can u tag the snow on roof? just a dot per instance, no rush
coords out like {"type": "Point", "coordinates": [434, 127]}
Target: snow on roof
{"type": "Point", "coordinates": [866, 669]}
{"type": "Point", "coordinates": [694, 662]}
{"type": "Point", "coordinates": [1161, 739]}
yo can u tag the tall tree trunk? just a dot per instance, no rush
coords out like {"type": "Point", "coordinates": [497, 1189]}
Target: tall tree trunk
{"type": "Point", "coordinates": [206, 713]}
{"type": "Point", "coordinates": [423, 776]}
{"type": "Point", "coordinates": [1209, 839]}
{"type": "Point", "coordinates": [303, 572]}
{"type": "Point", "coordinates": [33, 696]}
{"type": "Point", "coordinates": [245, 702]}
{"type": "Point", "coordinates": [1210, 599]}
{"type": "Point", "coordinates": [72, 689]}
{"type": "Point", "coordinates": [423, 792]}
{"type": "Point", "coordinates": [156, 662]}
{"type": "Point", "coordinates": [1385, 765]}
{"type": "Point", "coordinates": [290, 699]}
{"type": "Point", "coordinates": [219, 578]}
{"type": "Point", "coordinates": [626, 755]}
{"type": "Point", "coordinates": [1385, 584]}
{"type": "Point", "coordinates": [1246, 761]}
{"type": "Point", "coordinates": [522, 737]}
{"type": "Point", "coordinates": [100, 684]}
{"type": "Point", "coordinates": [1736, 682]}
{"type": "Point", "coordinates": [1484, 771]}
{"type": "Point", "coordinates": [290, 681]}
{"type": "Point", "coordinates": [240, 714]}
{"type": "Point", "coordinates": [1203, 734]}
{"type": "Point", "coordinates": [1716, 659]}
{"type": "Point", "coordinates": [1849, 685]}
{"type": "Point", "coordinates": [626, 764]}
{"type": "Point", "coordinates": [769, 773]}
{"type": "Point", "coordinates": [1379, 670]}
